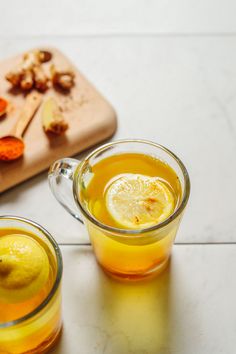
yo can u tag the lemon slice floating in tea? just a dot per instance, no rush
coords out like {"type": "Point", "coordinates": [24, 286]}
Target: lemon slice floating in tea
{"type": "Point", "coordinates": [24, 268]}
{"type": "Point", "coordinates": [136, 201]}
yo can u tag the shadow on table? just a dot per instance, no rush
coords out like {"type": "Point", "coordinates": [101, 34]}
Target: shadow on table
{"type": "Point", "coordinates": [122, 318]}
{"type": "Point", "coordinates": [140, 312]}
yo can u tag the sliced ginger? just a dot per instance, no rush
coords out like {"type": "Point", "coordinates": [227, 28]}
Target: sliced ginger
{"type": "Point", "coordinates": [52, 118]}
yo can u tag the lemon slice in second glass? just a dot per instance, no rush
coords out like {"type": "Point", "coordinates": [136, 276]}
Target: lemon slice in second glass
{"type": "Point", "coordinates": [136, 201]}
{"type": "Point", "coordinates": [24, 268]}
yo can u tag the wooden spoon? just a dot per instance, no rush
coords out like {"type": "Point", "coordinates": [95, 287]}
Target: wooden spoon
{"type": "Point", "coordinates": [12, 145]}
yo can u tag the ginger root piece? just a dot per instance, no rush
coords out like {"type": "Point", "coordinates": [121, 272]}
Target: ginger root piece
{"type": "Point", "coordinates": [35, 57]}
{"type": "Point", "coordinates": [40, 79]}
{"type": "Point", "coordinates": [30, 73]}
{"type": "Point", "coordinates": [30, 59]}
{"type": "Point", "coordinates": [44, 56]}
{"type": "Point", "coordinates": [65, 79]}
{"type": "Point", "coordinates": [14, 77]}
{"type": "Point", "coordinates": [52, 118]}
{"type": "Point", "coordinates": [27, 80]}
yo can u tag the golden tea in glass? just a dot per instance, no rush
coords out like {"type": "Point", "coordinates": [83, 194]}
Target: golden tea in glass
{"type": "Point", "coordinates": [132, 194]}
{"type": "Point", "coordinates": [30, 300]}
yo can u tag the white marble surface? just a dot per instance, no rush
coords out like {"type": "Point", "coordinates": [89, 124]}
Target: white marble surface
{"type": "Point", "coordinates": [168, 67]}
{"type": "Point", "coordinates": [69, 17]}
{"type": "Point", "coordinates": [180, 92]}
{"type": "Point", "coordinates": [183, 311]}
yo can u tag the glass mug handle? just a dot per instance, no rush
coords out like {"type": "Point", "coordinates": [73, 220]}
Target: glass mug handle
{"type": "Point", "coordinates": [60, 177]}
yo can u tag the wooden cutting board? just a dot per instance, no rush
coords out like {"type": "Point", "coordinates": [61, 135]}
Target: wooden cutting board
{"type": "Point", "coordinates": [90, 117]}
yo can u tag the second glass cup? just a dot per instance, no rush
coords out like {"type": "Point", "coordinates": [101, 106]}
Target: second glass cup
{"type": "Point", "coordinates": [124, 253]}
{"type": "Point", "coordinates": [31, 325]}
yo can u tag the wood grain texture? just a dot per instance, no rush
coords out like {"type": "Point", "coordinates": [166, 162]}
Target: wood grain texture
{"type": "Point", "coordinates": [90, 117]}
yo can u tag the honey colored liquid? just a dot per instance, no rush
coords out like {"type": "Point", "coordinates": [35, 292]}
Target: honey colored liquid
{"type": "Point", "coordinates": [128, 257]}
{"type": "Point", "coordinates": [32, 334]}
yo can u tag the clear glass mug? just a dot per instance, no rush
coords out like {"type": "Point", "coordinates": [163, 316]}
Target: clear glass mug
{"type": "Point", "coordinates": [37, 331]}
{"type": "Point", "coordinates": [127, 254]}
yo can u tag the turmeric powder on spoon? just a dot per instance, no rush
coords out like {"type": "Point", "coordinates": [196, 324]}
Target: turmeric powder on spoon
{"type": "Point", "coordinates": [3, 106]}
{"type": "Point", "coordinates": [12, 145]}
{"type": "Point", "coordinates": [11, 148]}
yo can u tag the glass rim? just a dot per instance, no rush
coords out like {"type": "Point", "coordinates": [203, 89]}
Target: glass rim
{"type": "Point", "coordinates": [136, 232]}
{"type": "Point", "coordinates": [57, 281]}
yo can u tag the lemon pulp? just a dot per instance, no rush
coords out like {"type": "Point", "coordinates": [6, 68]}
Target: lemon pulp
{"type": "Point", "coordinates": [136, 201]}
{"type": "Point", "coordinates": [24, 268]}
